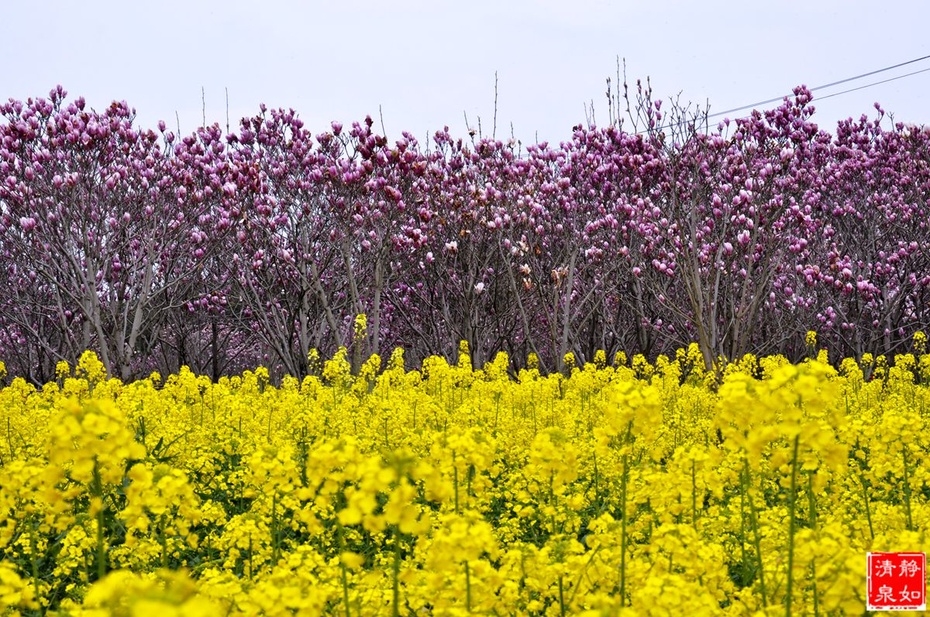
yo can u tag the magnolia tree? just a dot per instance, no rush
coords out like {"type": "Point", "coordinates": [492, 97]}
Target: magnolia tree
{"type": "Point", "coordinates": [208, 186]}
{"type": "Point", "coordinates": [283, 256]}
{"type": "Point", "coordinates": [89, 214]}
{"type": "Point", "coordinates": [602, 187]}
{"type": "Point", "coordinates": [314, 245]}
{"type": "Point", "coordinates": [448, 285]}
{"type": "Point", "coordinates": [732, 211]}
{"type": "Point", "coordinates": [222, 252]}
{"type": "Point", "coordinates": [865, 283]}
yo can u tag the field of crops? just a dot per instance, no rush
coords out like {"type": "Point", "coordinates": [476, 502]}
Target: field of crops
{"type": "Point", "coordinates": [622, 488]}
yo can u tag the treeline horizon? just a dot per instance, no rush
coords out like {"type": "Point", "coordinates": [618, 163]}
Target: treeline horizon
{"type": "Point", "coordinates": [223, 252]}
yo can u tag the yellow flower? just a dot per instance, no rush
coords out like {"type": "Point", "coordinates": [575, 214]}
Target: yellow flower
{"type": "Point", "coordinates": [15, 592]}
{"type": "Point", "coordinates": [810, 339]}
{"type": "Point", "coordinates": [360, 327]}
{"type": "Point", "coordinates": [465, 490]}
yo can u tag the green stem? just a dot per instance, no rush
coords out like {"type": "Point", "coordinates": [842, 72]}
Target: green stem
{"type": "Point", "coordinates": [395, 600]}
{"type": "Point", "coordinates": [811, 503]}
{"type": "Point", "coordinates": [597, 492]}
{"type": "Point", "coordinates": [757, 537]}
{"type": "Point", "coordinates": [497, 412]}
{"type": "Point", "coordinates": [101, 549]}
{"type": "Point", "coordinates": [467, 588]}
{"type": "Point", "coordinates": [34, 562]}
{"type": "Point", "coordinates": [693, 495]}
{"type": "Point", "coordinates": [340, 538]}
{"type": "Point", "coordinates": [907, 490]}
{"type": "Point", "coordinates": [162, 541]}
{"type": "Point", "coordinates": [742, 526]}
{"type": "Point", "coordinates": [345, 588]}
{"type": "Point", "coordinates": [455, 483]}
{"type": "Point", "coordinates": [577, 584]}
{"type": "Point", "coordinates": [624, 480]}
{"type": "Point", "coordinates": [275, 534]}
{"type": "Point", "coordinates": [812, 517]}
{"type": "Point", "coordinates": [9, 439]}
{"type": "Point", "coordinates": [303, 455]}
{"type": "Point", "coordinates": [96, 490]}
{"type": "Point", "coordinates": [251, 562]}
{"type": "Point", "coordinates": [792, 502]}
{"type": "Point", "coordinates": [816, 595]}
{"type": "Point", "coordinates": [868, 508]}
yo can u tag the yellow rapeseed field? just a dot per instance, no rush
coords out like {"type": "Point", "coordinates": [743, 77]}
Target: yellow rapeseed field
{"type": "Point", "coordinates": [626, 488]}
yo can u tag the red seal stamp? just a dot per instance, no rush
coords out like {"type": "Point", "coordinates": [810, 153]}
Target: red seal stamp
{"type": "Point", "coordinates": [897, 582]}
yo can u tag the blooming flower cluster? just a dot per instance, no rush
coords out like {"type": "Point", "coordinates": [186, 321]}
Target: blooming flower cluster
{"type": "Point", "coordinates": [226, 249]}
{"type": "Point", "coordinates": [627, 488]}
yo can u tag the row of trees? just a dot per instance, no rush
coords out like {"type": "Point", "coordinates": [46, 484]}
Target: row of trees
{"type": "Point", "coordinates": [226, 251]}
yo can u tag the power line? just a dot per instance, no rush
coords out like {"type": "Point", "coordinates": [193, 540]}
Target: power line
{"type": "Point", "coordinates": [835, 83]}
{"type": "Point", "coordinates": [884, 81]}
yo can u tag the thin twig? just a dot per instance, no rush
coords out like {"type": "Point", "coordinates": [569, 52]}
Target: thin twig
{"type": "Point", "coordinates": [494, 128]}
{"type": "Point", "coordinates": [381, 116]}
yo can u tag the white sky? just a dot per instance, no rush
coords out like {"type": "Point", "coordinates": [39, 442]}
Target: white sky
{"type": "Point", "coordinates": [426, 62]}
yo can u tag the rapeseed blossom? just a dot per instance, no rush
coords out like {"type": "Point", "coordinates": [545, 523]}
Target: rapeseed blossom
{"type": "Point", "coordinates": [623, 488]}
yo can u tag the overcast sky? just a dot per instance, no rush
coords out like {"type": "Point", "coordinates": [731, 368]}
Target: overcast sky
{"type": "Point", "coordinates": [428, 63]}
